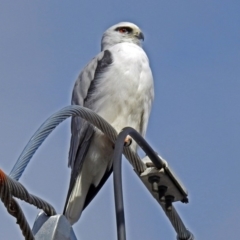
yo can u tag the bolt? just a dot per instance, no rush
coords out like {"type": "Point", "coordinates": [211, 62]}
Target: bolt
{"type": "Point", "coordinates": [162, 191]}
{"type": "Point", "coordinates": [168, 200]}
{"type": "Point", "coordinates": [154, 180]}
{"type": "Point", "coordinates": [184, 200]}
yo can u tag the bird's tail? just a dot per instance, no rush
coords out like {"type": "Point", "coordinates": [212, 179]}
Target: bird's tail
{"type": "Point", "coordinates": [76, 200]}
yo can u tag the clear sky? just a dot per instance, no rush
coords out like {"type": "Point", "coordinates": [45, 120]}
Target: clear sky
{"type": "Point", "coordinates": [194, 51]}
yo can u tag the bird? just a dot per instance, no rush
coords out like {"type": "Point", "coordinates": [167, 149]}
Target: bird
{"type": "Point", "coordinates": [117, 84]}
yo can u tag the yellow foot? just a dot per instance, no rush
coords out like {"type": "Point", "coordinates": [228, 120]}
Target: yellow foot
{"type": "Point", "coordinates": [127, 141]}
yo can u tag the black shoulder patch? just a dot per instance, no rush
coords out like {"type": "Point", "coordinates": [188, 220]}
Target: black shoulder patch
{"type": "Point", "coordinates": [104, 62]}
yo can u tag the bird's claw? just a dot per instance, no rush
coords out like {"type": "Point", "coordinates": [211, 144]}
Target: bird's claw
{"type": "Point", "coordinates": [127, 141]}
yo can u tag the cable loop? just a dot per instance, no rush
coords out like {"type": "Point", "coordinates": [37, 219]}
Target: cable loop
{"type": "Point", "coordinates": [9, 187]}
{"type": "Point", "coordinates": [52, 122]}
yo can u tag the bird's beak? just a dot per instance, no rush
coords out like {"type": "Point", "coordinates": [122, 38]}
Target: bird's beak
{"type": "Point", "coordinates": [140, 36]}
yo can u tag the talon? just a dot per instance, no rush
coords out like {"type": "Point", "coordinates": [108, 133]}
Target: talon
{"type": "Point", "coordinates": [127, 141]}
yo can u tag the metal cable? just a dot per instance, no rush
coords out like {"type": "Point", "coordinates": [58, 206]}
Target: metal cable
{"type": "Point", "coordinates": [176, 221]}
{"type": "Point", "coordinates": [183, 233]}
{"type": "Point", "coordinates": [117, 183]}
{"type": "Point", "coordinates": [12, 206]}
{"type": "Point", "coordinates": [19, 191]}
{"type": "Point", "coordinates": [47, 127]}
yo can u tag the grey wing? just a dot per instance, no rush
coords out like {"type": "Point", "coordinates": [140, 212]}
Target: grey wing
{"type": "Point", "coordinates": [82, 131]}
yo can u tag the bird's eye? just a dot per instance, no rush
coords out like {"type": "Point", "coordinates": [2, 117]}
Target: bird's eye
{"type": "Point", "coordinates": [124, 29]}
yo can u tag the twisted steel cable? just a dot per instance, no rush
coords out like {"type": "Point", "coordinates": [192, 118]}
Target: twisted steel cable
{"type": "Point", "coordinates": [177, 223]}
{"type": "Point", "coordinates": [12, 206]}
{"type": "Point", "coordinates": [12, 187]}
{"type": "Point", "coordinates": [47, 127]}
{"type": "Point", "coordinates": [19, 191]}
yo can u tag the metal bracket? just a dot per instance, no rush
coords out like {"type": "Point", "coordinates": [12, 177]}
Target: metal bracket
{"type": "Point", "coordinates": [163, 183]}
{"type": "Point", "coordinates": [55, 228]}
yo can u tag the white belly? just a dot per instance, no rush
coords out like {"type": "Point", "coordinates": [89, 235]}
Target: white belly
{"type": "Point", "coordinates": [126, 89]}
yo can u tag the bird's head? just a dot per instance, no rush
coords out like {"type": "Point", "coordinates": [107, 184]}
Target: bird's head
{"type": "Point", "coordinates": [122, 32]}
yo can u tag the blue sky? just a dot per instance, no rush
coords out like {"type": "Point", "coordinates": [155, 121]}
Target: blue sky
{"type": "Point", "coordinates": [194, 51]}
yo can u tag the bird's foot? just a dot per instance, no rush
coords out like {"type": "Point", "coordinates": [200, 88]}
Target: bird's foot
{"type": "Point", "coordinates": [127, 141]}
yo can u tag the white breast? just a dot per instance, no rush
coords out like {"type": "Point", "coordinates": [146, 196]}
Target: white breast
{"type": "Point", "coordinates": [126, 89]}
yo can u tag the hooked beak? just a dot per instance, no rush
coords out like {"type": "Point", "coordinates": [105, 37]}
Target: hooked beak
{"type": "Point", "coordinates": [140, 36]}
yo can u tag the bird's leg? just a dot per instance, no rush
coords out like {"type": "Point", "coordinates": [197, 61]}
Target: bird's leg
{"type": "Point", "coordinates": [127, 142]}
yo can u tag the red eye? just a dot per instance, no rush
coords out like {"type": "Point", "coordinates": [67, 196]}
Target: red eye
{"type": "Point", "coordinates": [122, 30]}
